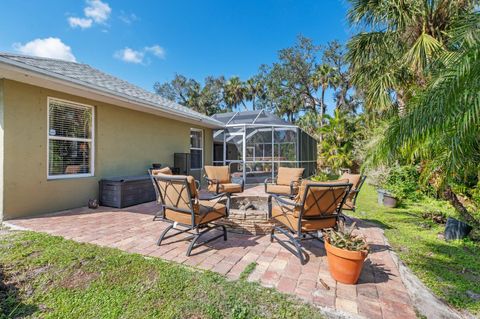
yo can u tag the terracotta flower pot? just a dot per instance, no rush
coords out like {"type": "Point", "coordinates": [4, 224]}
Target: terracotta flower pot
{"type": "Point", "coordinates": [345, 265]}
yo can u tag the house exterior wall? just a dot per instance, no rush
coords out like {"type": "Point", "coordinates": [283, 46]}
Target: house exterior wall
{"type": "Point", "coordinates": [126, 142]}
{"type": "Point", "coordinates": [1, 147]}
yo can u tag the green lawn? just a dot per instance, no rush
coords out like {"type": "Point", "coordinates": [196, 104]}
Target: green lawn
{"type": "Point", "coordinates": [450, 269]}
{"type": "Point", "coordinates": [50, 277]}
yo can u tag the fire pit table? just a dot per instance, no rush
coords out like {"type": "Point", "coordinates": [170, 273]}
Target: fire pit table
{"type": "Point", "coordinates": [248, 214]}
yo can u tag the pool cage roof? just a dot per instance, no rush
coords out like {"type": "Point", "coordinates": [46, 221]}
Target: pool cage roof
{"type": "Point", "coordinates": [256, 143]}
{"type": "Point", "coordinates": [250, 118]}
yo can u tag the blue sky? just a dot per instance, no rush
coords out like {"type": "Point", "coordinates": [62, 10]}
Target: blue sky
{"type": "Point", "coordinates": [147, 41]}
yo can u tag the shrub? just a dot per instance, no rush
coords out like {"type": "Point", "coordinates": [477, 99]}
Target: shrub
{"type": "Point", "coordinates": [322, 176]}
{"type": "Point", "coordinates": [403, 182]}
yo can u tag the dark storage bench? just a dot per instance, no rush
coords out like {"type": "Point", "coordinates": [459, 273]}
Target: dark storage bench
{"type": "Point", "coordinates": [126, 191]}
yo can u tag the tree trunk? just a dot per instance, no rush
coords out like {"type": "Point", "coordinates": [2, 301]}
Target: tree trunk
{"type": "Point", "coordinates": [322, 107]}
{"type": "Point", "coordinates": [453, 199]}
{"type": "Point", "coordinates": [244, 105]}
{"type": "Point", "coordinates": [401, 103]}
{"type": "Point", "coordinates": [322, 113]}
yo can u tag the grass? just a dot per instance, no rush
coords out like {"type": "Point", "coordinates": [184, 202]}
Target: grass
{"type": "Point", "coordinates": [50, 277]}
{"type": "Point", "coordinates": [450, 269]}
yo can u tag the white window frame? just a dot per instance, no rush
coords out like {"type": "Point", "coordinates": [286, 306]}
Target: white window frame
{"type": "Point", "coordinates": [198, 149]}
{"type": "Point", "coordinates": [62, 138]}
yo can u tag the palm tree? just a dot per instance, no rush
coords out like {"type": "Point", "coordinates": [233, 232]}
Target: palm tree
{"type": "Point", "coordinates": [324, 78]}
{"type": "Point", "coordinates": [235, 93]}
{"type": "Point", "coordinates": [254, 89]}
{"type": "Point", "coordinates": [442, 128]}
{"type": "Point", "coordinates": [392, 56]}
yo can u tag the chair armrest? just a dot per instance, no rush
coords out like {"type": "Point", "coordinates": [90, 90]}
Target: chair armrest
{"type": "Point", "coordinates": [198, 185]}
{"type": "Point", "coordinates": [280, 201]}
{"type": "Point", "coordinates": [213, 182]}
{"type": "Point", "coordinates": [269, 180]}
{"type": "Point", "coordinates": [210, 180]}
{"type": "Point", "coordinates": [293, 184]}
{"type": "Point", "coordinates": [217, 196]}
{"type": "Point", "coordinates": [283, 201]}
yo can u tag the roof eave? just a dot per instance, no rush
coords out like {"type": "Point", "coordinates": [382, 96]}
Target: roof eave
{"type": "Point", "coordinates": [26, 73]}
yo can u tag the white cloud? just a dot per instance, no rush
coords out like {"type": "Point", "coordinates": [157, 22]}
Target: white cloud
{"type": "Point", "coordinates": [127, 18]}
{"type": "Point", "coordinates": [140, 56]}
{"type": "Point", "coordinates": [97, 10]}
{"type": "Point", "coordinates": [47, 48]}
{"type": "Point", "coordinates": [129, 55]}
{"type": "Point", "coordinates": [80, 22]}
{"type": "Point", "coordinates": [156, 50]}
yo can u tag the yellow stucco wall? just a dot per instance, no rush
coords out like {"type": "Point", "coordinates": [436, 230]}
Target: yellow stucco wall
{"type": "Point", "coordinates": [127, 142]}
{"type": "Point", "coordinates": [1, 148]}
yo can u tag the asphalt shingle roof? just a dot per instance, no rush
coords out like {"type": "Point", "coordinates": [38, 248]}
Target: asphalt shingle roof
{"type": "Point", "coordinates": [90, 76]}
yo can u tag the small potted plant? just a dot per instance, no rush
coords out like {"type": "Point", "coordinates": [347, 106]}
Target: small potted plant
{"type": "Point", "coordinates": [389, 200]}
{"type": "Point", "coordinates": [346, 253]}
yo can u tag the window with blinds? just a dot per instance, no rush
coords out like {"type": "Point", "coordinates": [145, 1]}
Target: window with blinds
{"type": "Point", "coordinates": [70, 139]}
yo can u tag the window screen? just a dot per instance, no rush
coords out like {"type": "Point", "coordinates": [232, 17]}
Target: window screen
{"type": "Point", "coordinates": [70, 139]}
{"type": "Point", "coordinates": [196, 149]}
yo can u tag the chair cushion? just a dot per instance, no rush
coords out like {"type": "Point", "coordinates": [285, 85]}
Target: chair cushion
{"type": "Point", "coordinates": [354, 179]}
{"type": "Point", "coordinates": [175, 194]}
{"type": "Point", "coordinates": [285, 215]}
{"type": "Point", "coordinates": [164, 170]}
{"type": "Point", "coordinates": [305, 182]}
{"type": "Point", "coordinates": [208, 211]}
{"type": "Point", "coordinates": [218, 173]}
{"type": "Point", "coordinates": [280, 189]}
{"type": "Point", "coordinates": [225, 188]}
{"type": "Point", "coordinates": [286, 175]}
{"type": "Point", "coordinates": [321, 200]}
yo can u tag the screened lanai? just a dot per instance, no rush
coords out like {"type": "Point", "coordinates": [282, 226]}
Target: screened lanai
{"type": "Point", "coordinates": [255, 143]}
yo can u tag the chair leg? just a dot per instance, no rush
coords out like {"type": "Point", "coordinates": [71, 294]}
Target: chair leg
{"type": "Point", "coordinates": [287, 244]}
{"type": "Point", "coordinates": [162, 235]}
{"type": "Point", "coordinates": [158, 214]}
{"type": "Point", "coordinates": [193, 243]}
{"type": "Point", "coordinates": [224, 233]}
{"type": "Point", "coordinates": [229, 201]}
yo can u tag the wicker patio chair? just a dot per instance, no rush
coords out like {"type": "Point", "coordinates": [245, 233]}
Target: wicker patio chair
{"type": "Point", "coordinates": [357, 181]}
{"type": "Point", "coordinates": [182, 208]}
{"type": "Point", "coordinates": [286, 183]}
{"type": "Point", "coordinates": [316, 207]}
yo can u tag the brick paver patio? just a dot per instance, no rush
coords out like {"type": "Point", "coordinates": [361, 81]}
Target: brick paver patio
{"type": "Point", "coordinates": [379, 293]}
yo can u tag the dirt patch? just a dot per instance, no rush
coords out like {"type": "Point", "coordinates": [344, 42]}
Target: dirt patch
{"type": "Point", "coordinates": [79, 279]}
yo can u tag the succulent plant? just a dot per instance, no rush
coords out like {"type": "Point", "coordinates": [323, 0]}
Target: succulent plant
{"type": "Point", "coordinates": [344, 238]}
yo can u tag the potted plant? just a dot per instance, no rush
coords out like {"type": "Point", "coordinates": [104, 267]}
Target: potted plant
{"type": "Point", "coordinates": [389, 200]}
{"type": "Point", "coordinates": [380, 194]}
{"type": "Point", "coordinates": [346, 253]}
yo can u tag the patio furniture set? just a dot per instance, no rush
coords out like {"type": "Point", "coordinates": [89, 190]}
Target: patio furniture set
{"type": "Point", "coordinates": [300, 208]}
